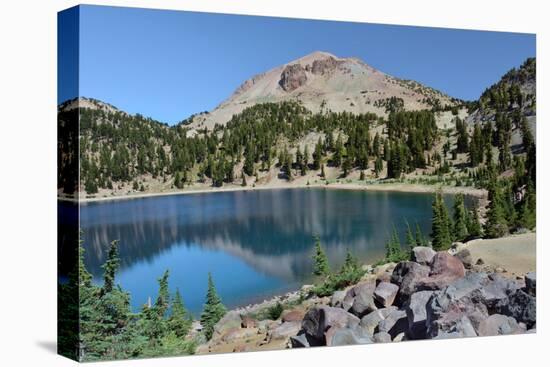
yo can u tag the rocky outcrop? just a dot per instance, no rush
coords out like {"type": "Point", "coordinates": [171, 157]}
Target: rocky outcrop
{"type": "Point", "coordinates": [434, 299]}
{"type": "Point", "coordinates": [323, 66]}
{"type": "Point", "coordinates": [423, 255]}
{"type": "Point", "coordinates": [293, 77]}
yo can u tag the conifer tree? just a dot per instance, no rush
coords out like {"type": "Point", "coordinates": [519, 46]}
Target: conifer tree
{"type": "Point", "coordinates": [213, 310]}
{"type": "Point", "coordinates": [179, 321]}
{"type": "Point", "coordinates": [474, 227]}
{"type": "Point", "coordinates": [441, 232]}
{"type": "Point", "coordinates": [320, 260]}
{"type": "Point", "coordinates": [163, 298]}
{"type": "Point", "coordinates": [496, 225]}
{"type": "Point", "coordinates": [460, 231]}
{"type": "Point", "coordinates": [111, 267]}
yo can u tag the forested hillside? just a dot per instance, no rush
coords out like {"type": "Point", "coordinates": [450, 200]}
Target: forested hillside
{"type": "Point", "coordinates": [284, 142]}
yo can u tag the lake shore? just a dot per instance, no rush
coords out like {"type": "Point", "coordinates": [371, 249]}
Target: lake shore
{"type": "Point", "coordinates": [378, 186]}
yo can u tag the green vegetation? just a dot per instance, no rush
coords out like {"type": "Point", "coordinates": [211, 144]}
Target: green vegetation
{"type": "Point", "coordinates": [107, 327]}
{"type": "Point", "coordinates": [441, 224]}
{"type": "Point", "coordinates": [320, 260]}
{"type": "Point", "coordinates": [213, 311]}
{"type": "Point", "coordinates": [349, 273]}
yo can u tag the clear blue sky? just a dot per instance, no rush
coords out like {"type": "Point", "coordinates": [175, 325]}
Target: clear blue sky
{"type": "Point", "coordinates": [170, 64]}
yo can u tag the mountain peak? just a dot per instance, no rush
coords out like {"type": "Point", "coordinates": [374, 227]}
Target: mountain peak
{"type": "Point", "coordinates": [320, 81]}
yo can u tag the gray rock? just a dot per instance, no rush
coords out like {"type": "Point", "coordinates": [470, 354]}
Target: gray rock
{"type": "Point", "coordinates": [382, 337]}
{"type": "Point", "coordinates": [337, 299]}
{"type": "Point", "coordinates": [363, 301]}
{"type": "Point", "coordinates": [462, 327]}
{"type": "Point", "coordinates": [521, 306]}
{"type": "Point", "coordinates": [452, 311]}
{"type": "Point", "coordinates": [416, 314]}
{"type": "Point", "coordinates": [299, 341]}
{"type": "Point", "coordinates": [394, 324]}
{"type": "Point", "coordinates": [400, 337]}
{"type": "Point", "coordinates": [340, 336]}
{"type": "Point", "coordinates": [319, 319]}
{"type": "Point", "coordinates": [370, 321]}
{"type": "Point", "coordinates": [531, 283]}
{"type": "Point", "coordinates": [385, 293]}
{"type": "Point", "coordinates": [285, 330]}
{"type": "Point", "coordinates": [465, 257]}
{"type": "Point", "coordinates": [423, 255]}
{"type": "Point", "coordinates": [500, 325]}
{"type": "Point", "coordinates": [406, 275]}
{"type": "Point", "coordinates": [231, 320]}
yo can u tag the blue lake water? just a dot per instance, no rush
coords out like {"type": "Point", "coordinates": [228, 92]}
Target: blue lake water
{"type": "Point", "coordinates": [255, 243]}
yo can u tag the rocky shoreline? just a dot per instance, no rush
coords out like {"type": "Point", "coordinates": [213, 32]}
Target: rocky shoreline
{"type": "Point", "coordinates": [435, 295]}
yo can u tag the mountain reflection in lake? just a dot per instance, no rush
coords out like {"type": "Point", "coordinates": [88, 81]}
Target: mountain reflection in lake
{"type": "Point", "coordinates": [255, 243]}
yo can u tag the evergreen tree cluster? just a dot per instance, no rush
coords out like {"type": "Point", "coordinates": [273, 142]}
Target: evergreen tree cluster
{"type": "Point", "coordinates": [107, 328]}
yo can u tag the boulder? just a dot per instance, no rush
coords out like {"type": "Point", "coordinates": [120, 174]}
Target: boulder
{"type": "Point", "coordinates": [494, 290]}
{"type": "Point", "coordinates": [299, 341]}
{"type": "Point", "coordinates": [461, 327]}
{"type": "Point", "coordinates": [499, 325]}
{"type": "Point", "coordinates": [363, 298]}
{"type": "Point", "coordinates": [382, 337]}
{"type": "Point", "coordinates": [423, 255]}
{"type": "Point", "coordinates": [285, 330]}
{"type": "Point", "coordinates": [385, 293]}
{"type": "Point", "coordinates": [531, 283]}
{"type": "Point", "coordinates": [337, 299]}
{"type": "Point", "coordinates": [231, 320]}
{"type": "Point", "coordinates": [266, 325]}
{"type": "Point", "coordinates": [400, 337]}
{"type": "Point", "coordinates": [444, 269]}
{"type": "Point", "coordinates": [293, 315]}
{"type": "Point", "coordinates": [345, 336]}
{"type": "Point", "coordinates": [248, 322]}
{"type": "Point", "coordinates": [465, 257]}
{"type": "Point", "coordinates": [394, 324]}
{"type": "Point", "coordinates": [458, 309]}
{"type": "Point", "coordinates": [370, 321]}
{"type": "Point", "coordinates": [383, 277]}
{"type": "Point", "coordinates": [521, 306]}
{"type": "Point", "coordinates": [406, 275]}
{"type": "Point", "coordinates": [319, 319]}
{"type": "Point", "coordinates": [416, 314]}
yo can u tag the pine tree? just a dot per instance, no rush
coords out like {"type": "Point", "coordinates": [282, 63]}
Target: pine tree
{"type": "Point", "coordinates": [320, 260]}
{"type": "Point", "coordinates": [243, 183]}
{"type": "Point", "coordinates": [460, 231]}
{"type": "Point", "coordinates": [213, 310]}
{"type": "Point", "coordinates": [111, 267]}
{"type": "Point", "coordinates": [163, 298]}
{"type": "Point", "coordinates": [474, 227]}
{"type": "Point", "coordinates": [318, 155]}
{"type": "Point", "coordinates": [527, 210]}
{"type": "Point", "coordinates": [496, 225]}
{"type": "Point", "coordinates": [323, 171]}
{"type": "Point", "coordinates": [179, 321]}
{"type": "Point", "coordinates": [441, 232]}
{"type": "Point", "coordinates": [362, 176]}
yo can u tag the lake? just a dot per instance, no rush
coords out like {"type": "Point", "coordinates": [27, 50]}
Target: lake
{"type": "Point", "coordinates": [255, 243]}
